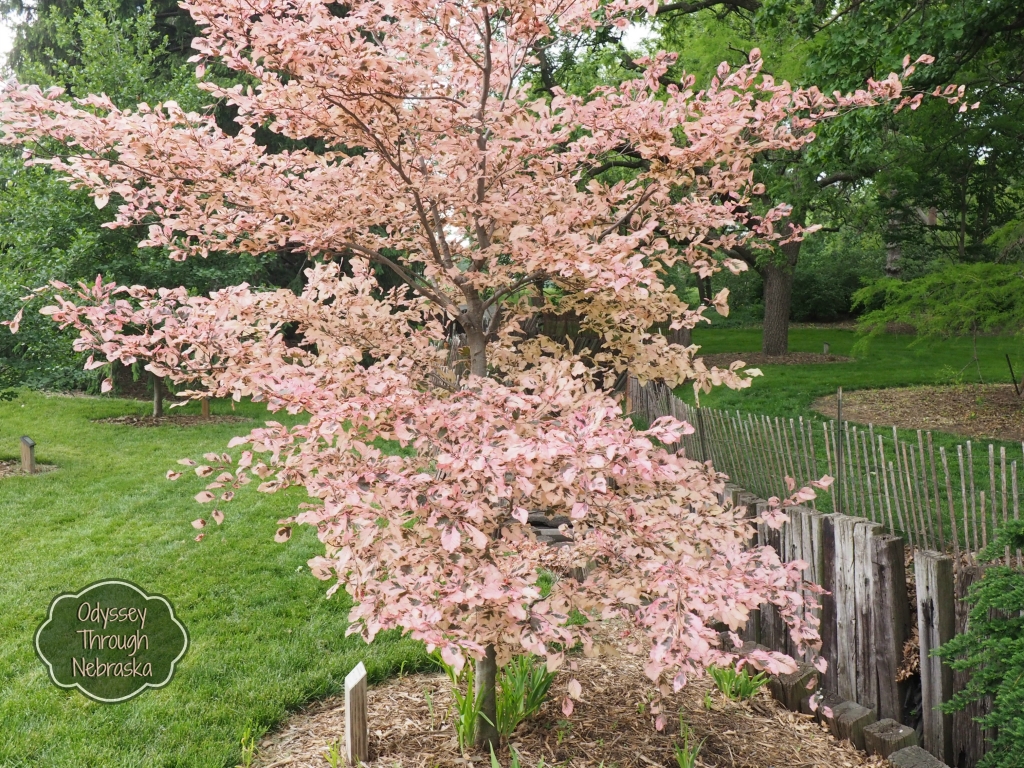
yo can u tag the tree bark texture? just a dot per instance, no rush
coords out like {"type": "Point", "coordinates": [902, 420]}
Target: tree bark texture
{"type": "Point", "coordinates": [485, 681]}
{"type": "Point", "coordinates": [158, 395]}
{"type": "Point", "coordinates": [778, 298]}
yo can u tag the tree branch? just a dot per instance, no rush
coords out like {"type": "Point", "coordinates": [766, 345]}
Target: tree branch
{"type": "Point", "coordinates": [691, 7]}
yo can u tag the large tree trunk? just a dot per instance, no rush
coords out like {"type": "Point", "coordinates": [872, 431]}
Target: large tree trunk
{"type": "Point", "coordinates": [778, 296]}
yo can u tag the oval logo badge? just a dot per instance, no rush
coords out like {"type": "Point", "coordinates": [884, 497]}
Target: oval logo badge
{"type": "Point", "coordinates": [111, 641]}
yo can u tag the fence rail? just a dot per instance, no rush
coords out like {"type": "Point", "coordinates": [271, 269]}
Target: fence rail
{"type": "Point", "coordinates": [934, 499]}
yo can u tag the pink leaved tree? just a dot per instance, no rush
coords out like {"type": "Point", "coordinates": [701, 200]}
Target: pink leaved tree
{"type": "Point", "coordinates": [440, 170]}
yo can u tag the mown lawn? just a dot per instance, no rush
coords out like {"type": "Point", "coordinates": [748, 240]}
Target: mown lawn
{"type": "Point", "coordinates": [264, 639]}
{"type": "Point", "coordinates": [888, 361]}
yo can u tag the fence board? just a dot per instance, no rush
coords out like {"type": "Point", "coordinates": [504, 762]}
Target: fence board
{"type": "Point", "coordinates": [864, 532]}
{"type": "Point", "coordinates": [890, 622]}
{"type": "Point", "coordinates": [846, 608]}
{"type": "Point", "coordinates": [936, 622]}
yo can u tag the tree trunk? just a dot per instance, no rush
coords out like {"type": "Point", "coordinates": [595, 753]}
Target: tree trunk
{"type": "Point", "coordinates": [778, 296]}
{"type": "Point", "coordinates": [683, 337]}
{"type": "Point", "coordinates": [158, 396]}
{"type": "Point", "coordinates": [477, 352]}
{"type": "Point", "coordinates": [486, 679]}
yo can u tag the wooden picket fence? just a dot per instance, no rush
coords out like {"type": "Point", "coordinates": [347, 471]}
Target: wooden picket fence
{"type": "Point", "coordinates": [912, 488]}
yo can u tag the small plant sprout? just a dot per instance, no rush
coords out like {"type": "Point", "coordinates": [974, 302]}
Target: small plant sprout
{"type": "Point", "coordinates": [523, 686]}
{"type": "Point", "coordinates": [737, 685]}
{"type": "Point", "coordinates": [248, 748]}
{"type": "Point", "coordinates": [335, 755]}
{"type": "Point", "coordinates": [685, 750]}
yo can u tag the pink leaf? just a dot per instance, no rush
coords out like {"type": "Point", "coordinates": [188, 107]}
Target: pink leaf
{"type": "Point", "coordinates": [200, 523]}
{"type": "Point", "coordinates": [218, 516]}
{"type": "Point", "coordinates": [283, 534]}
{"type": "Point", "coordinates": [574, 688]}
{"type": "Point", "coordinates": [200, 537]}
{"type": "Point", "coordinates": [567, 706]}
{"type": "Point", "coordinates": [172, 475]}
{"type": "Point", "coordinates": [450, 539]}
{"type": "Point", "coordinates": [204, 496]}
{"type": "Point", "coordinates": [107, 385]}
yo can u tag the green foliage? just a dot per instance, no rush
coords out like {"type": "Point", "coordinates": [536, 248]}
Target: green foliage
{"type": "Point", "coordinates": [686, 753]}
{"type": "Point", "coordinates": [48, 231]}
{"type": "Point", "coordinates": [523, 686]}
{"type": "Point", "coordinates": [737, 685]}
{"type": "Point", "coordinates": [514, 762]}
{"type": "Point", "coordinates": [992, 651]}
{"type": "Point", "coordinates": [958, 300]}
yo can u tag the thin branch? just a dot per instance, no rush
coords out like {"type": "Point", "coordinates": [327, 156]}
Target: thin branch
{"type": "Point", "coordinates": [629, 214]}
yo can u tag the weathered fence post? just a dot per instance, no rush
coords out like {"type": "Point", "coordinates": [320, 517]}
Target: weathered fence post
{"type": "Point", "coordinates": [28, 455]}
{"type": "Point", "coordinates": [936, 614]}
{"type": "Point", "coordinates": [864, 532]}
{"type": "Point", "coordinates": [889, 622]}
{"type": "Point", "coordinates": [829, 649]}
{"type": "Point", "coordinates": [357, 732]}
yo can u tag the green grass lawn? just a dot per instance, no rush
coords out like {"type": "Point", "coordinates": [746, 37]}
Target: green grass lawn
{"type": "Point", "coordinates": [889, 361]}
{"type": "Point", "coordinates": [264, 639]}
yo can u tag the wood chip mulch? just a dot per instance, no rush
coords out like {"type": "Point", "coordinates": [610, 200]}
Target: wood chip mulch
{"type": "Point", "coordinates": [12, 467]}
{"type": "Point", "coordinates": [756, 359]}
{"type": "Point", "coordinates": [410, 726]}
{"type": "Point", "coordinates": [983, 411]}
{"type": "Point", "coordinates": [174, 421]}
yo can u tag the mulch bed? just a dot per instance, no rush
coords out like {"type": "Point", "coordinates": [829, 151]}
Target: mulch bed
{"type": "Point", "coordinates": [175, 421]}
{"type": "Point", "coordinates": [984, 411]}
{"type": "Point", "coordinates": [753, 359]}
{"type": "Point", "coordinates": [611, 726]}
{"type": "Point", "coordinates": [11, 467]}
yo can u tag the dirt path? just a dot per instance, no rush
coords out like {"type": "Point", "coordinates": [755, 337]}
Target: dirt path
{"type": "Point", "coordinates": [988, 412]}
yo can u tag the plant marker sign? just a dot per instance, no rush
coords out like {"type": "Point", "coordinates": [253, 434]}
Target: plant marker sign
{"type": "Point", "coordinates": [111, 641]}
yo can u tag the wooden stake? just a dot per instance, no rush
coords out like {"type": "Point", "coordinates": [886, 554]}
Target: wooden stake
{"type": "Point", "coordinates": [926, 528]}
{"type": "Point", "coordinates": [908, 498]}
{"type": "Point", "coordinates": [858, 438]}
{"type": "Point", "coordinates": [1006, 514]}
{"type": "Point", "coordinates": [933, 520]}
{"type": "Point", "coordinates": [828, 457]}
{"type": "Point", "coordinates": [1016, 502]}
{"type": "Point", "coordinates": [28, 455]}
{"type": "Point", "coordinates": [949, 498]}
{"type": "Point", "coordinates": [885, 484]}
{"type": "Point", "coordinates": [878, 474]}
{"type": "Point", "coordinates": [938, 502]}
{"type": "Point", "coordinates": [205, 405]}
{"type": "Point", "coordinates": [896, 503]}
{"type": "Point", "coordinates": [974, 508]}
{"type": "Point", "coordinates": [357, 731]}
{"type": "Point", "coordinates": [867, 477]}
{"type": "Point", "coordinates": [963, 499]}
{"type": "Point", "coordinates": [992, 489]}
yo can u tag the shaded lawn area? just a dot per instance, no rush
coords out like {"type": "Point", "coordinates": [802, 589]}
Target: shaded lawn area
{"type": "Point", "coordinates": [889, 361]}
{"type": "Point", "coordinates": [263, 638]}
